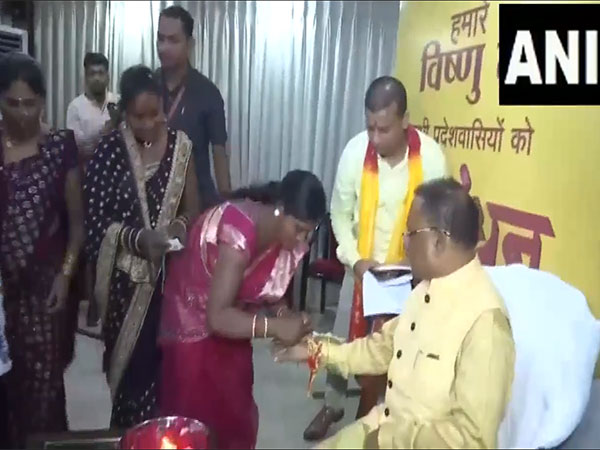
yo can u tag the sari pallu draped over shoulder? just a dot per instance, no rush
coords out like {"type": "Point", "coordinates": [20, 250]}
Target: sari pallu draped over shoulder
{"type": "Point", "coordinates": [112, 256]}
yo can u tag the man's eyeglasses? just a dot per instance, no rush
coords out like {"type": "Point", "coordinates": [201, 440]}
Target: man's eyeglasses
{"type": "Point", "coordinates": [409, 234]}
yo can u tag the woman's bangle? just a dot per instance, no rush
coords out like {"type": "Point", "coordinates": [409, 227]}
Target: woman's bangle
{"type": "Point", "coordinates": [122, 236]}
{"type": "Point", "coordinates": [182, 220]}
{"type": "Point", "coordinates": [137, 242]}
{"type": "Point", "coordinates": [130, 240]}
{"type": "Point", "coordinates": [125, 237]}
{"type": "Point", "coordinates": [68, 266]}
{"type": "Point", "coordinates": [254, 326]}
{"type": "Point", "coordinates": [266, 327]}
{"type": "Point", "coordinates": [280, 311]}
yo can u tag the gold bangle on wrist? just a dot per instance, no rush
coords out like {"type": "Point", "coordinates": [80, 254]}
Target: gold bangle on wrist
{"type": "Point", "coordinates": [136, 243]}
{"type": "Point", "coordinates": [184, 219]}
{"type": "Point", "coordinates": [254, 326]}
{"type": "Point", "coordinates": [122, 237]}
{"type": "Point", "coordinates": [266, 327]}
{"type": "Point", "coordinates": [180, 220]}
{"type": "Point", "coordinates": [68, 266]}
{"type": "Point", "coordinates": [130, 240]}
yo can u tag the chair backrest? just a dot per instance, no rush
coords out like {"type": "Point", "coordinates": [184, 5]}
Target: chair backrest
{"type": "Point", "coordinates": [324, 244]}
{"type": "Point", "coordinates": [331, 242]}
{"type": "Point", "coordinates": [556, 341]}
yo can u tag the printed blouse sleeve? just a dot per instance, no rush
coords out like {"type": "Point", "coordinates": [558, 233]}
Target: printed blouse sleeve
{"type": "Point", "coordinates": [237, 230]}
{"type": "Point", "coordinates": [98, 201]}
{"type": "Point", "coordinates": [70, 152]}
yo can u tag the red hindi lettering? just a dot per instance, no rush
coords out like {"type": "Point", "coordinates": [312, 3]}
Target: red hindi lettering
{"type": "Point", "coordinates": [514, 246]}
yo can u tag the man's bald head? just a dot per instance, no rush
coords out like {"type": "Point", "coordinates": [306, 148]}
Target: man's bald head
{"type": "Point", "coordinates": [447, 206]}
{"type": "Point", "coordinates": [385, 91]}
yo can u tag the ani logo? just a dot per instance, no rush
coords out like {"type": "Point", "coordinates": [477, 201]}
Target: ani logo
{"type": "Point", "coordinates": [549, 54]}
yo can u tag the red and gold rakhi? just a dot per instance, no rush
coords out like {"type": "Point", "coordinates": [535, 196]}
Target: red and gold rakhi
{"type": "Point", "coordinates": [315, 354]}
{"type": "Point", "coordinates": [314, 361]}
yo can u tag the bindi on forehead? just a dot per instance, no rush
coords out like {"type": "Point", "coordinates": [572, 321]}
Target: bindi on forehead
{"type": "Point", "coordinates": [20, 89]}
{"type": "Point", "coordinates": [146, 102]}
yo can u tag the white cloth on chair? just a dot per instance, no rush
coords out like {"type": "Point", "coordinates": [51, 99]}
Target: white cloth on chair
{"type": "Point", "coordinates": [557, 341]}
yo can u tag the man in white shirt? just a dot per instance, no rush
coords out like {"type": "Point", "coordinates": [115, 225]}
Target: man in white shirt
{"type": "Point", "coordinates": [89, 115]}
{"type": "Point", "coordinates": [390, 134]}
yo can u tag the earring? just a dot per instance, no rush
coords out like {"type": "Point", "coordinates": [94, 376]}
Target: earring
{"type": "Point", "coordinates": [276, 213]}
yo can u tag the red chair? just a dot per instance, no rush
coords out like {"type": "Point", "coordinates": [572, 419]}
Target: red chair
{"type": "Point", "coordinates": [326, 267]}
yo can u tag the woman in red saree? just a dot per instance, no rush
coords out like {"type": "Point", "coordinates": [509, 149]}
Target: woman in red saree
{"type": "Point", "coordinates": [239, 260]}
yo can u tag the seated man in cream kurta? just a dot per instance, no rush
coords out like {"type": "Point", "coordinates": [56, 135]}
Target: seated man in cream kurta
{"type": "Point", "coordinates": [375, 181]}
{"type": "Point", "coordinates": [449, 357]}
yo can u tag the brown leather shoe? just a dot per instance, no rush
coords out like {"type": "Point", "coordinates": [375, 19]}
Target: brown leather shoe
{"type": "Point", "coordinates": [319, 426]}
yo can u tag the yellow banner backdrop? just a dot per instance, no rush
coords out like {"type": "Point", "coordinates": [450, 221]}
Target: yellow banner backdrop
{"type": "Point", "coordinates": [535, 169]}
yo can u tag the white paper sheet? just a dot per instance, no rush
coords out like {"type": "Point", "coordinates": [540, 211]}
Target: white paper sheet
{"type": "Point", "coordinates": [386, 297]}
{"type": "Point", "coordinates": [174, 245]}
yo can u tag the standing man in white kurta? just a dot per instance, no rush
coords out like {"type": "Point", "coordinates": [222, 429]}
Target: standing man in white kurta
{"type": "Point", "coordinates": [388, 129]}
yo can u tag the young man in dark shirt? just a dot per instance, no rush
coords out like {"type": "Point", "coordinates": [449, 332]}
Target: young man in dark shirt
{"type": "Point", "coordinates": [192, 103]}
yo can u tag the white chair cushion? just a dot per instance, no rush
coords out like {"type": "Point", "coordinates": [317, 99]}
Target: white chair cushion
{"type": "Point", "coordinates": [557, 341]}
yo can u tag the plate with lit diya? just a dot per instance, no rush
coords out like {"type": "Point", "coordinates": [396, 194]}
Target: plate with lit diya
{"type": "Point", "coordinates": [167, 433]}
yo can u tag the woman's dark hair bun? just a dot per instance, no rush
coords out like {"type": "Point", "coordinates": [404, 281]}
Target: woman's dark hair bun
{"type": "Point", "coordinates": [135, 81]}
{"type": "Point", "coordinates": [21, 67]}
{"type": "Point", "coordinates": [300, 193]}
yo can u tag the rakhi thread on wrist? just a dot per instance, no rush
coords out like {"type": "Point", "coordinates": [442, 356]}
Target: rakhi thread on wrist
{"type": "Point", "coordinates": [314, 361]}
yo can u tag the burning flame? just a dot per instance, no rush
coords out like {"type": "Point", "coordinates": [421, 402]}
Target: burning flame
{"type": "Point", "coordinates": [165, 443]}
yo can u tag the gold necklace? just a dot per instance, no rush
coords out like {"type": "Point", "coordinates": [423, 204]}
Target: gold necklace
{"type": "Point", "coordinates": [143, 144]}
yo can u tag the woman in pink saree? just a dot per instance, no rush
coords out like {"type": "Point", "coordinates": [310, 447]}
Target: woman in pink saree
{"type": "Point", "coordinates": [226, 288]}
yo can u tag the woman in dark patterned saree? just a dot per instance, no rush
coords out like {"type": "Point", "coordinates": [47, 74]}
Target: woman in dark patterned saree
{"type": "Point", "coordinates": [41, 236]}
{"type": "Point", "coordinates": [140, 190]}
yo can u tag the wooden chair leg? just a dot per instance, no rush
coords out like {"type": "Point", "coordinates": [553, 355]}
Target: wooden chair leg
{"type": "Point", "coordinates": [323, 295]}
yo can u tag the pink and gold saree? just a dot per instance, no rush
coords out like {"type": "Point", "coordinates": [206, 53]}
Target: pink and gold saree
{"type": "Point", "coordinates": [209, 377]}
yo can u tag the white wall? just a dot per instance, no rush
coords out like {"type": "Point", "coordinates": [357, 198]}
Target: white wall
{"type": "Point", "coordinates": [5, 19]}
